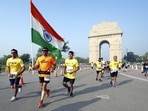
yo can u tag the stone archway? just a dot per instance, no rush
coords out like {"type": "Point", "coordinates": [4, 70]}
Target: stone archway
{"type": "Point", "coordinates": [106, 32]}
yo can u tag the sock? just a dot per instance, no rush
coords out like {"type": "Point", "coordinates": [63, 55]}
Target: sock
{"type": "Point", "coordinates": [42, 94]}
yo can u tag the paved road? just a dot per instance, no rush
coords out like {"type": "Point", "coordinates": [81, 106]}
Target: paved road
{"type": "Point", "coordinates": [131, 94]}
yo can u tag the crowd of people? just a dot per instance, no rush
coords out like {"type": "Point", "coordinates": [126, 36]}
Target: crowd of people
{"type": "Point", "coordinates": [113, 67]}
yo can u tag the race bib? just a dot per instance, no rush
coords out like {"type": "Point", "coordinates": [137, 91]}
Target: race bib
{"type": "Point", "coordinates": [146, 66]}
{"type": "Point", "coordinates": [114, 70]}
{"type": "Point", "coordinates": [69, 69]}
{"type": "Point", "coordinates": [46, 78]}
{"type": "Point", "coordinates": [13, 74]}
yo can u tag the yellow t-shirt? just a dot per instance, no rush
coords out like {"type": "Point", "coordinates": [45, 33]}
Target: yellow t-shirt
{"type": "Point", "coordinates": [120, 64]}
{"type": "Point", "coordinates": [114, 65]}
{"type": "Point", "coordinates": [44, 63]}
{"type": "Point", "coordinates": [99, 66]}
{"type": "Point", "coordinates": [15, 65]}
{"type": "Point", "coordinates": [71, 65]}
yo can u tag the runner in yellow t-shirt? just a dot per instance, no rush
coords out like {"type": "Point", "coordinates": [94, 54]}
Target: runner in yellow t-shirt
{"type": "Point", "coordinates": [99, 67]}
{"type": "Point", "coordinates": [45, 64]}
{"type": "Point", "coordinates": [71, 66]}
{"type": "Point", "coordinates": [15, 68]}
{"type": "Point", "coordinates": [114, 67]}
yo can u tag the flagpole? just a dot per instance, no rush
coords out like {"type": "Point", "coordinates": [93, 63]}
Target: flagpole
{"type": "Point", "coordinates": [31, 39]}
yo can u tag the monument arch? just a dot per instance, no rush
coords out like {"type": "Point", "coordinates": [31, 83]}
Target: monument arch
{"type": "Point", "coordinates": [105, 32]}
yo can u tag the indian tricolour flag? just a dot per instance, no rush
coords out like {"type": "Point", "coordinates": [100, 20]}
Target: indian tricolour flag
{"type": "Point", "coordinates": [44, 35]}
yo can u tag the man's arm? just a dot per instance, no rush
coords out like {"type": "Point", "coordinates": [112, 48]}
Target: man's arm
{"type": "Point", "coordinates": [77, 68]}
{"type": "Point", "coordinates": [8, 71]}
{"type": "Point", "coordinates": [53, 67]}
{"type": "Point", "coordinates": [22, 70]}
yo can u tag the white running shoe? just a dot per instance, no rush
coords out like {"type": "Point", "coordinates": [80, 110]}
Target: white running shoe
{"type": "Point", "coordinates": [13, 98]}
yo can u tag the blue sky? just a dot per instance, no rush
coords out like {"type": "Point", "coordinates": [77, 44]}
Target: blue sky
{"type": "Point", "coordinates": [73, 20]}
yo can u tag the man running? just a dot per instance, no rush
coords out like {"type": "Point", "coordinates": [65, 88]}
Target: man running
{"type": "Point", "coordinates": [114, 67]}
{"type": "Point", "coordinates": [15, 68]}
{"type": "Point", "coordinates": [71, 66]}
{"type": "Point", "coordinates": [45, 64]}
{"type": "Point", "coordinates": [99, 67]}
{"type": "Point", "coordinates": [145, 68]}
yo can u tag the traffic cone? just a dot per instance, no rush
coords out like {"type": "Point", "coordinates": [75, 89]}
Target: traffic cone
{"type": "Point", "coordinates": [55, 73]}
{"type": "Point", "coordinates": [21, 80]}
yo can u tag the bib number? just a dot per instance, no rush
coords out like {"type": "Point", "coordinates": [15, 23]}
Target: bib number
{"type": "Point", "coordinates": [69, 69]}
{"type": "Point", "coordinates": [46, 78]}
{"type": "Point", "coordinates": [114, 70]}
{"type": "Point", "coordinates": [13, 74]}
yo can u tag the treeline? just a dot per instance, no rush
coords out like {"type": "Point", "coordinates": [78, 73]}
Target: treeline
{"type": "Point", "coordinates": [131, 57]}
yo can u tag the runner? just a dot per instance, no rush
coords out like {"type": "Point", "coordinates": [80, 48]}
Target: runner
{"type": "Point", "coordinates": [30, 67]}
{"type": "Point", "coordinates": [145, 68]}
{"type": "Point", "coordinates": [45, 64]}
{"type": "Point", "coordinates": [114, 67]}
{"type": "Point", "coordinates": [71, 66]}
{"type": "Point", "coordinates": [92, 65]}
{"type": "Point", "coordinates": [99, 67]}
{"type": "Point", "coordinates": [15, 68]}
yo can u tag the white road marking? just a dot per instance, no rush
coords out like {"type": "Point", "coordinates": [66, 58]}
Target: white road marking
{"type": "Point", "coordinates": [103, 96]}
{"type": "Point", "coordinates": [133, 77]}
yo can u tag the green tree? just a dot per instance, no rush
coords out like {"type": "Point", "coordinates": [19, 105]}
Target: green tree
{"type": "Point", "coordinates": [4, 59]}
{"type": "Point", "coordinates": [82, 60]}
{"type": "Point", "coordinates": [130, 57]}
{"type": "Point", "coordinates": [25, 58]}
{"type": "Point", "coordinates": [145, 56]}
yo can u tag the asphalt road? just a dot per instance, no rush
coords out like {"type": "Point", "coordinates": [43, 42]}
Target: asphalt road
{"type": "Point", "coordinates": [90, 95]}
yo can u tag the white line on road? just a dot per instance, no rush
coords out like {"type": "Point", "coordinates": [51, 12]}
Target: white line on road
{"type": "Point", "coordinates": [134, 77]}
{"type": "Point", "coordinates": [103, 96]}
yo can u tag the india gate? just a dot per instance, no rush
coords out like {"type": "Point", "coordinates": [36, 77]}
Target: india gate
{"type": "Point", "coordinates": [105, 32]}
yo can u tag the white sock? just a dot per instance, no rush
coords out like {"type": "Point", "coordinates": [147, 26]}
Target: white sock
{"type": "Point", "coordinates": [42, 94]}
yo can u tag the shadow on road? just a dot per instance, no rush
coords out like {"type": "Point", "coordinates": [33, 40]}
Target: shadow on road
{"type": "Point", "coordinates": [76, 106]}
{"type": "Point", "coordinates": [125, 82]}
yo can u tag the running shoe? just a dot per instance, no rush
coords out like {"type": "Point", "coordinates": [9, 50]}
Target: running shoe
{"type": "Point", "coordinates": [13, 98]}
{"type": "Point", "coordinates": [71, 94]}
{"type": "Point", "coordinates": [111, 83]}
{"type": "Point", "coordinates": [100, 80]}
{"type": "Point", "coordinates": [40, 104]}
{"type": "Point", "coordinates": [47, 93]}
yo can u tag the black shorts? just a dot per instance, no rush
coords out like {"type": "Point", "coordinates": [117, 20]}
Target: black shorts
{"type": "Point", "coordinates": [114, 74]}
{"type": "Point", "coordinates": [65, 79]}
{"type": "Point", "coordinates": [43, 80]}
{"type": "Point", "coordinates": [99, 71]}
{"type": "Point", "coordinates": [14, 81]}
